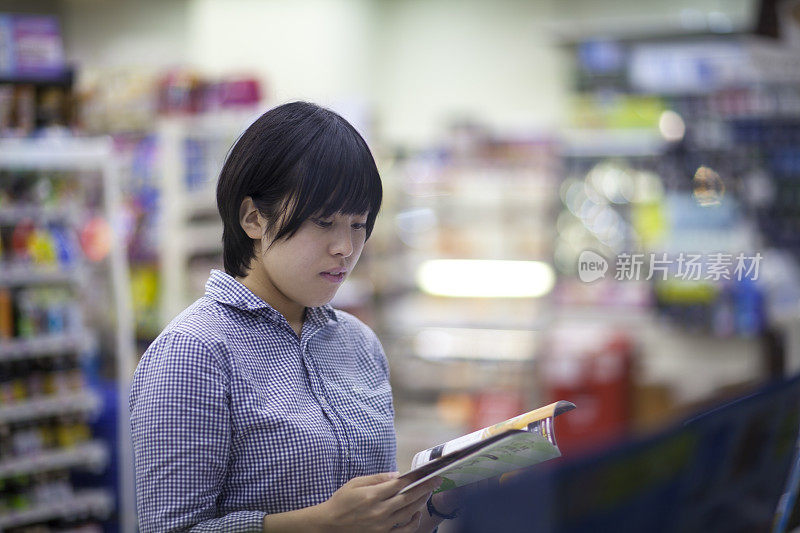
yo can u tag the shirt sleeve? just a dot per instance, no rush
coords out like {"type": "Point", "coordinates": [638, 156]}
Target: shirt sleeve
{"type": "Point", "coordinates": [380, 356]}
{"type": "Point", "coordinates": [180, 426]}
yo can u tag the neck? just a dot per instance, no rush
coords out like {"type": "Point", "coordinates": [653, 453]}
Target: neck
{"type": "Point", "coordinates": [262, 286]}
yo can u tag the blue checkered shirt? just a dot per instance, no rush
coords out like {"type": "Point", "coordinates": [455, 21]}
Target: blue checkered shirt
{"type": "Point", "coordinates": [234, 417]}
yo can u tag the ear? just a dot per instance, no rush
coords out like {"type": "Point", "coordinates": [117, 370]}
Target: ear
{"type": "Point", "coordinates": [251, 220]}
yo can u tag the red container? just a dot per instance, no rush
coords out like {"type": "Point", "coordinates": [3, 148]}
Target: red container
{"type": "Point", "coordinates": [598, 380]}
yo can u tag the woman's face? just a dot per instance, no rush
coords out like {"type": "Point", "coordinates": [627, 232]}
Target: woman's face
{"type": "Point", "coordinates": [301, 271]}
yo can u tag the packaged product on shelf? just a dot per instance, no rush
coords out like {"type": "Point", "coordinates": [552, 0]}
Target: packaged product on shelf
{"type": "Point", "coordinates": [17, 388]}
{"type": "Point", "coordinates": [35, 380]}
{"type": "Point", "coordinates": [6, 385]}
{"type": "Point", "coordinates": [6, 449]}
{"type": "Point", "coordinates": [6, 314]}
{"type": "Point", "coordinates": [47, 432]}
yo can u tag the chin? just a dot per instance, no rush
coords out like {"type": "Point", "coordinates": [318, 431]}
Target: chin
{"type": "Point", "coordinates": [317, 302]}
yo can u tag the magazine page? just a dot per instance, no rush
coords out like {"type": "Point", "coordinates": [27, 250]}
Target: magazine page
{"type": "Point", "coordinates": [521, 422]}
{"type": "Point", "coordinates": [519, 450]}
{"type": "Point", "coordinates": [491, 457]}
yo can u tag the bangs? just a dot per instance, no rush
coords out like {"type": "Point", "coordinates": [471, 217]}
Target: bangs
{"type": "Point", "coordinates": [335, 174]}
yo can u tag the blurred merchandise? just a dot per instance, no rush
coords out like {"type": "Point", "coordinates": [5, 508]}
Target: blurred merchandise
{"type": "Point", "coordinates": [678, 171]}
{"type": "Point", "coordinates": [190, 152]}
{"type": "Point", "coordinates": [186, 92]}
{"type": "Point", "coordinates": [30, 46]}
{"type": "Point", "coordinates": [63, 332]}
{"type": "Point", "coordinates": [131, 100]}
{"type": "Point", "coordinates": [465, 285]}
{"type": "Point", "coordinates": [117, 100]}
{"type": "Point", "coordinates": [35, 83]}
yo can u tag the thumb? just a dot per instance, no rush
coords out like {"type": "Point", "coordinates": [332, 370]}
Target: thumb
{"type": "Point", "coordinates": [374, 479]}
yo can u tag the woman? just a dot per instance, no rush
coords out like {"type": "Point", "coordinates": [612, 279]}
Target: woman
{"type": "Point", "coordinates": [260, 407]}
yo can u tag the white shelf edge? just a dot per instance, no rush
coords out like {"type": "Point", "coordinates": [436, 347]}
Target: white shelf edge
{"type": "Point", "coordinates": [62, 153]}
{"type": "Point", "coordinates": [94, 502]}
{"type": "Point", "coordinates": [20, 211]}
{"type": "Point", "coordinates": [612, 142]}
{"type": "Point", "coordinates": [92, 454]}
{"type": "Point", "coordinates": [27, 275]}
{"type": "Point", "coordinates": [50, 405]}
{"type": "Point", "coordinates": [46, 344]}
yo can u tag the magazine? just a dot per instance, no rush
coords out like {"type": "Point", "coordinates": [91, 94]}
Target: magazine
{"type": "Point", "coordinates": [515, 443]}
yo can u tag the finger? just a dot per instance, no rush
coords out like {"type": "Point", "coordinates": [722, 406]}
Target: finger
{"type": "Point", "coordinates": [389, 490]}
{"type": "Point", "coordinates": [401, 524]}
{"type": "Point", "coordinates": [400, 515]}
{"type": "Point", "coordinates": [412, 524]}
{"type": "Point", "coordinates": [428, 486]}
{"type": "Point", "coordinates": [408, 498]}
{"type": "Point", "coordinates": [374, 479]}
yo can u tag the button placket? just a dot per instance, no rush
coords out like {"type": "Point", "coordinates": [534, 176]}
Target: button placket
{"type": "Point", "coordinates": [318, 388]}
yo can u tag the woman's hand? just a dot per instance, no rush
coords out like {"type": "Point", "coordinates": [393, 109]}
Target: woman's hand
{"type": "Point", "coordinates": [372, 504]}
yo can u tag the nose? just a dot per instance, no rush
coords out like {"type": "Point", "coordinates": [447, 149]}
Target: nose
{"type": "Point", "coordinates": [342, 243]}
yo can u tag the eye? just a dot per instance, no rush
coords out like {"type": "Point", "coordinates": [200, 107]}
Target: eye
{"type": "Point", "coordinates": [322, 223]}
{"type": "Point", "coordinates": [359, 225]}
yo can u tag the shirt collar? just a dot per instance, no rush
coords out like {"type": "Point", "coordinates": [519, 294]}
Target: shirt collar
{"type": "Point", "coordinates": [223, 288]}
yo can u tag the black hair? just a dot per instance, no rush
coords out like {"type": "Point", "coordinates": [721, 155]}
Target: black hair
{"type": "Point", "coordinates": [297, 160]}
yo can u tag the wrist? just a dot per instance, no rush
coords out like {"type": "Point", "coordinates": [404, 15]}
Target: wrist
{"type": "Point", "coordinates": [307, 519]}
{"type": "Point", "coordinates": [315, 519]}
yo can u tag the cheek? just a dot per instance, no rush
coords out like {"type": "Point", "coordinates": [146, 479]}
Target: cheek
{"type": "Point", "coordinates": [357, 251]}
{"type": "Point", "coordinates": [300, 257]}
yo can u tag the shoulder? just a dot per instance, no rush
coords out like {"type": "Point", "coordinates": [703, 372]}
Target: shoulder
{"type": "Point", "coordinates": [208, 322]}
{"type": "Point", "coordinates": [197, 337]}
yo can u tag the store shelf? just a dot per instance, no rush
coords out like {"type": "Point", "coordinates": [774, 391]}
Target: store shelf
{"type": "Point", "coordinates": [64, 77]}
{"type": "Point", "coordinates": [15, 213]}
{"type": "Point", "coordinates": [38, 275]}
{"type": "Point", "coordinates": [95, 502]}
{"type": "Point", "coordinates": [55, 154]}
{"type": "Point", "coordinates": [93, 454]}
{"type": "Point", "coordinates": [193, 151]}
{"type": "Point", "coordinates": [45, 345]}
{"type": "Point", "coordinates": [79, 402]}
{"type": "Point", "coordinates": [90, 171]}
{"type": "Point", "coordinates": [631, 142]}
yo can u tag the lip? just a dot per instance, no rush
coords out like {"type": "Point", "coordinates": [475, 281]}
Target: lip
{"type": "Point", "coordinates": [333, 278]}
{"type": "Point", "coordinates": [335, 271]}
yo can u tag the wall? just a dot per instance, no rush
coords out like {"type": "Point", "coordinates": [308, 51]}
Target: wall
{"type": "Point", "coordinates": [309, 49]}
{"type": "Point", "coordinates": [446, 59]}
{"type": "Point", "coordinates": [139, 33]}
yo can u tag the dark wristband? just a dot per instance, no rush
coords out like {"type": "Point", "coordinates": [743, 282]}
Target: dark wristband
{"type": "Point", "coordinates": [434, 512]}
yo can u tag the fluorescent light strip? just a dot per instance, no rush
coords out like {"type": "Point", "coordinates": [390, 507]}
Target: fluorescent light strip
{"type": "Point", "coordinates": [483, 278]}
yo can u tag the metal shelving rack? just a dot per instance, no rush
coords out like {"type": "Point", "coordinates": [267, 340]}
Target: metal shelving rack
{"type": "Point", "coordinates": [494, 203]}
{"type": "Point", "coordinates": [192, 150]}
{"type": "Point", "coordinates": [93, 155]}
